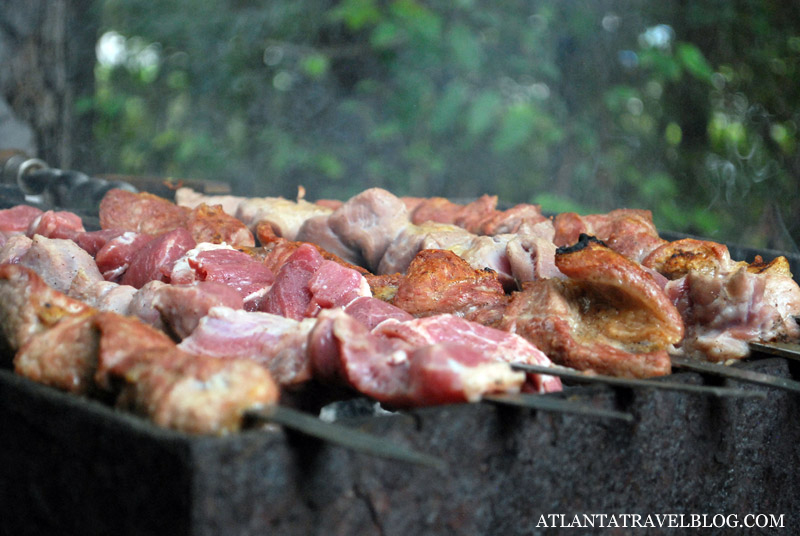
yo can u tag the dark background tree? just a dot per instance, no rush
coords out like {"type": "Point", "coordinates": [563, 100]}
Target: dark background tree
{"type": "Point", "coordinates": [685, 108]}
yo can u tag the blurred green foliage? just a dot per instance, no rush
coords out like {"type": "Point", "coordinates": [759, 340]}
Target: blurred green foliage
{"type": "Point", "coordinates": [689, 110]}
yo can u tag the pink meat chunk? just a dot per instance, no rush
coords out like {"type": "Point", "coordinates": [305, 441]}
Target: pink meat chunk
{"type": "Point", "coordinates": [154, 260]}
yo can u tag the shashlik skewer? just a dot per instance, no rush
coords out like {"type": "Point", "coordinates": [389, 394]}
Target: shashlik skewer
{"type": "Point", "coordinates": [787, 350]}
{"type": "Point", "coordinates": [738, 374]}
{"type": "Point", "coordinates": [546, 403]}
{"type": "Point", "coordinates": [580, 377]}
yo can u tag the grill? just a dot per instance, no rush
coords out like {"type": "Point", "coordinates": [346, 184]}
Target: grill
{"type": "Point", "coordinates": [71, 465]}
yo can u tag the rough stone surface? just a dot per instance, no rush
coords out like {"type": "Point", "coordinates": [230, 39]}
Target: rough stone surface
{"type": "Point", "coordinates": [76, 467]}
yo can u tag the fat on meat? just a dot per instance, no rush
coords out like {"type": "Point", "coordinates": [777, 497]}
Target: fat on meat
{"type": "Point", "coordinates": [221, 263]}
{"type": "Point", "coordinates": [371, 311]}
{"type": "Point", "coordinates": [277, 342]}
{"type": "Point", "coordinates": [114, 257]}
{"type": "Point", "coordinates": [398, 373]}
{"type": "Point", "coordinates": [723, 310]}
{"type": "Point", "coordinates": [283, 216]}
{"type": "Point", "coordinates": [493, 344]}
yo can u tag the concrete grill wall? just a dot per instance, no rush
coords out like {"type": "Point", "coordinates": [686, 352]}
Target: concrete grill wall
{"type": "Point", "coordinates": [82, 468]}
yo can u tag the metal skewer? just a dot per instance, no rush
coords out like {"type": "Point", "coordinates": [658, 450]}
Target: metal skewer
{"type": "Point", "coordinates": [781, 349]}
{"type": "Point", "coordinates": [559, 405]}
{"type": "Point", "coordinates": [342, 435]}
{"type": "Point", "coordinates": [735, 373]}
{"type": "Point", "coordinates": [569, 374]}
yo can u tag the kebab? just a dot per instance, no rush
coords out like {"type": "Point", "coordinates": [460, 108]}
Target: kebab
{"type": "Point", "coordinates": [628, 232]}
{"type": "Point", "coordinates": [146, 200]}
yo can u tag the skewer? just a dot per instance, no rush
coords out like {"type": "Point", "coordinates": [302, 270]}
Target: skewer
{"type": "Point", "coordinates": [735, 373]}
{"type": "Point", "coordinates": [344, 436]}
{"type": "Point", "coordinates": [565, 373]}
{"type": "Point", "coordinates": [559, 405]}
{"type": "Point", "coordinates": [781, 349]}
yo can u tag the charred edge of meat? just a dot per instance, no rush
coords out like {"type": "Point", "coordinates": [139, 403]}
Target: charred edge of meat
{"type": "Point", "coordinates": [583, 241]}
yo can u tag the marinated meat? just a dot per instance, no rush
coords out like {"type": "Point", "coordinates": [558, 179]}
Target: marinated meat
{"type": "Point", "coordinates": [210, 223]}
{"type": "Point", "coordinates": [59, 261]}
{"type": "Point", "coordinates": [56, 224]}
{"type": "Point", "coordinates": [630, 232]}
{"type": "Point", "coordinates": [63, 356]}
{"type": "Point", "coordinates": [277, 342]}
{"type": "Point", "coordinates": [195, 394]}
{"type": "Point", "coordinates": [610, 316]}
{"type": "Point", "coordinates": [182, 307]}
{"type": "Point", "coordinates": [141, 212]}
{"type": "Point", "coordinates": [398, 373]}
{"type": "Point", "coordinates": [28, 306]}
{"type": "Point", "coordinates": [369, 222]}
{"type": "Point", "coordinates": [439, 281]}
{"type": "Point", "coordinates": [114, 257]}
{"type": "Point", "coordinates": [154, 260]}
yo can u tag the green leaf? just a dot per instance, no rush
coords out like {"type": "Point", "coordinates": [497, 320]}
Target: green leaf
{"type": "Point", "coordinates": [694, 61]}
{"type": "Point", "coordinates": [483, 113]}
{"type": "Point", "coordinates": [447, 109]}
{"type": "Point", "coordinates": [515, 129]}
{"type": "Point", "coordinates": [466, 48]}
{"type": "Point", "coordinates": [315, 65]}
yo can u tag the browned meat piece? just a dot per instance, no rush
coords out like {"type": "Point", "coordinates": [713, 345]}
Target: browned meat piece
{"type": "Point", "coordinates": [143, 212]}
{"type": "Point", "coordinates": [212, 224]}
{"type": "Point", "coordinates": [123, 340]}
{"type": "Point", "coordinates": [195, 394]}
{"type": "Point", "coordinates": [439, 281]}
{"type": "Point", "coordinates": [675, 259]}
{"type": "Point", "coordinates": [63, 356]}
{"type": "Point", "coordinates": [28, 306]}
{"type": "Point", "coordinates": [723, 309]}
{"type": "Point", "coordinates": [611, 316]}
{"type": "Point", "coordinates": [630, 232]}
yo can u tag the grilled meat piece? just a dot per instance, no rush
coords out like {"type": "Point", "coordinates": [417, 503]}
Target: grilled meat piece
{"type": "Point", "coordinates": [610, 316]}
